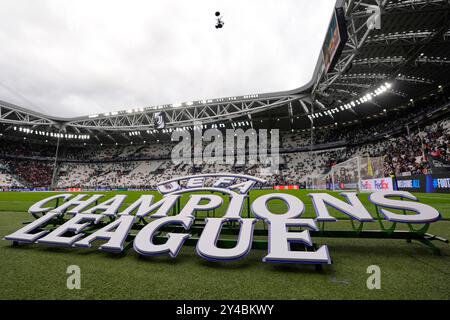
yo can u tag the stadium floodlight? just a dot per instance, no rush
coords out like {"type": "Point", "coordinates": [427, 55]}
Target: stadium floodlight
{"type": "Point", "coordinates": [93, 116]}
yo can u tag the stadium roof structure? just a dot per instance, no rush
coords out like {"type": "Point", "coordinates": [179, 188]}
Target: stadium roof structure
{"type": "Point", "coordinates": [404, 61]}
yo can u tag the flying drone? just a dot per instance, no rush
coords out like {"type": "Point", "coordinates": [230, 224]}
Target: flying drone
{"type": "Point", "coordinates": [220, 22]}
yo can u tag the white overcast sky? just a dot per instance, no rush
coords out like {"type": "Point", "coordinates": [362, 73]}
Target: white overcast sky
{"type": "Point", "coordinates": [77, 57]}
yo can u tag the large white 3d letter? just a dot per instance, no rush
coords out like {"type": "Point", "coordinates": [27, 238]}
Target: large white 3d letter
{"type": "Point", "coordinates": [79, 204]}
{"type": "Point", "coordinates": [194, 205]}
{"type": "Point", "coordinates": [143, 243]}
{"type": "Point", "coordinates": [207, 244]}
{"type": "Point", "coordinates": [115, 233]}
{"type": "Point", "coordinates": [261, 210]}
{"type": "Point", "coordinates": [425, 213]}
{"type": "Point", "coordinates": [109, 207]}
{"type": "Point", "coordinates": [235, 205]}
{"type": "Point", "coordinates": [144, 206]}
{"type": "Point", "coordinates": [24, 235]}
{"type": "Point", "coordinates": [73, 225]}
{"type": "Point", "coordinates": [354, 208]}
{"type": "Point", "coordinates": [37, 207]}
{"type": "Point", "coordinates": [280, 237]}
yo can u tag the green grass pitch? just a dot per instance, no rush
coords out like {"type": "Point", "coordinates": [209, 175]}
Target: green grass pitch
{"type": "Point", "coordinates": [408, 270]}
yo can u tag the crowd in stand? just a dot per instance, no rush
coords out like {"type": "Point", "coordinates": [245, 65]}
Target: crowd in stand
{"type": "Point", "coordinates": [147, 165]}
{"type": "Point", "coordinates": [6, 178]}
{"type": "Point", "coordinates": [31, 173]}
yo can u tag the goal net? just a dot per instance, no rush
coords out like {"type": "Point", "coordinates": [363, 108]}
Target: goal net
{"type": "Point", "coordinates": [346, 175]}
{"type": "Point", "coordinates": [360, 173]}
{"type": "Point", "coordinates": [321, 182]}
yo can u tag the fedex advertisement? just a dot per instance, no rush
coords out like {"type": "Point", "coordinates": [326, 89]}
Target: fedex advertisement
{"type": "Point", "coordinates": [382, 184]}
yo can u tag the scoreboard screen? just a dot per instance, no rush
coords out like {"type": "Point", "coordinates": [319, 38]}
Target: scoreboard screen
{"type": "Point", "coordinates": [335, 39]}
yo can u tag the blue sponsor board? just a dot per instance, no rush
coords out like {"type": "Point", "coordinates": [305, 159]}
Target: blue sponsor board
{"type": "Point", "coordinates": [409, 184]}
{"type": "Point", "coordinates": [439, 183]}
{"type": "Point", "coordinates": [432, 183]}
{"type": "Point", "coordinates": [24, 189]}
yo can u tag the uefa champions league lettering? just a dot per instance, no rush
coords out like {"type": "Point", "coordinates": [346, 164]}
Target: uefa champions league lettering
{"type": "Point", "coordinates": [207, 192]}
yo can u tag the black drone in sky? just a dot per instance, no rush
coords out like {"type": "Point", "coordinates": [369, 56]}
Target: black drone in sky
{"type": "Point", "coordinates": [220, 22]}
